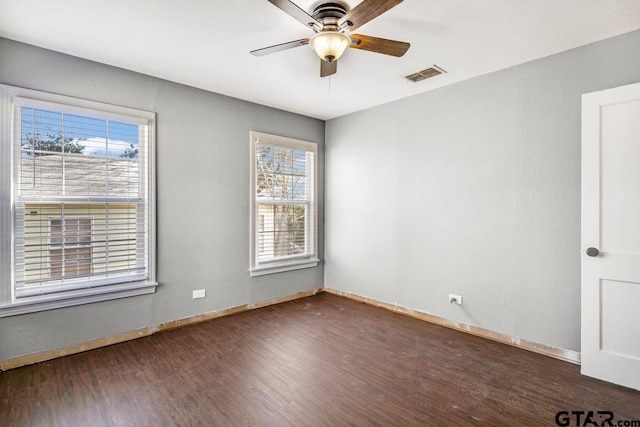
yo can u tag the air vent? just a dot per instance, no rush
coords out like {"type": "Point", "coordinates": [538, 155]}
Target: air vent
{"type": "Point", "coordinates": [425, 74]}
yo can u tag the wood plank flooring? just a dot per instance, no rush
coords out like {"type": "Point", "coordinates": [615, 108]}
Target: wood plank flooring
{"type": "Point", "coordinates": [318, 361]}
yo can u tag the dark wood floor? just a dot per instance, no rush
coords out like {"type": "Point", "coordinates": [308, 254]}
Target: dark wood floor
{"type": "Point", "coordinates": [318, 361]}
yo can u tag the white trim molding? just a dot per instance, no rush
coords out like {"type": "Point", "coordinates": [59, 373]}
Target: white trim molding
{"type": "Point", "coordinates": [283, 172]}
{"type": "Point", "coordinates": [30, 287]}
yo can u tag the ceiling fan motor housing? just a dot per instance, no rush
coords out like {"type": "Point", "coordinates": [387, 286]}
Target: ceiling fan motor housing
{"type": "Point", "coordinates": [329, 14]}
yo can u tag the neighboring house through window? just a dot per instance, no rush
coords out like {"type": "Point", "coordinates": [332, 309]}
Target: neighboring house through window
{"type": "Point", "coordinates": [284, 204]}
{"type": "Point", "coordinates": [80, 218]}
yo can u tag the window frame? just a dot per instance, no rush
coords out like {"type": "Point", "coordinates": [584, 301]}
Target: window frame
{"type": "Point", "coordinates": [10, 98]}
{"type": "Point", "coordinates": [294, 262]}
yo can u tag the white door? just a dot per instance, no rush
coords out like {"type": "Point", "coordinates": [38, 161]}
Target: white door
{"type": "Point", "coordinates": [611, 235]}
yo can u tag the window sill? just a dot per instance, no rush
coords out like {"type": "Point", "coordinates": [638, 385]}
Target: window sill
{"type": "Point", "coordinates": [283, 266]}
{"type": "Point", "coordinates": [71, 298]}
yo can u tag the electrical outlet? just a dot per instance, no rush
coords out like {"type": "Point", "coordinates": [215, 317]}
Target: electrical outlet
{"type": "Point", "coordinates": [200, 293]}
{"type": "Point", "coordinates": [455, 299]}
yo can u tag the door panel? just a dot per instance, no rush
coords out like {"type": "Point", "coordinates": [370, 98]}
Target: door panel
{"type": "Point", "coordinates": [620, 177]}
{"type": "Point", "coordinates": [611, 223]}
{"type": "Point", "coordinates": [619, 307]}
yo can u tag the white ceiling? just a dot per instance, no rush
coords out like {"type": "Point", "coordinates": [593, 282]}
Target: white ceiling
{"type": "Point", "coordinates": [206, 44]}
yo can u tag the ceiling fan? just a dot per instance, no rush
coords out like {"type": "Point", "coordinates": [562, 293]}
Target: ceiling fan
{"type": "Point", "coordinates": [330, 21]}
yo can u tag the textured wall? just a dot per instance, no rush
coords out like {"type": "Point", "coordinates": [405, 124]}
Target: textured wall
{"type": "Point", "coordinates": [203, 199]}
{"type": "Point", "coordinates": [472, 189]}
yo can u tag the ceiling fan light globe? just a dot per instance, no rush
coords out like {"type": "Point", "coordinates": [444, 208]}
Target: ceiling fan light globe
{"type": "Point", "coordinates": [329, 45]}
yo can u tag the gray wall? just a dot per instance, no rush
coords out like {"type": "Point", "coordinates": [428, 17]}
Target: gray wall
{"type": "Point", "coordinates": [472, 189]}
{"type": "Point", "coordinates": [203, 199]}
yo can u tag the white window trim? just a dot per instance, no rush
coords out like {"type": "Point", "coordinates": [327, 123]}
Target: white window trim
{"type": "Point", "coordinates": [296, 262]}
{"type": "Point", "coordinates": [9, 305]}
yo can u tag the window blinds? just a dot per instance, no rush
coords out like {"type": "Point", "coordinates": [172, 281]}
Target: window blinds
{"type": "Point", "coordinates": [80, 199]}
{"type": "Point", "coordinates": [284, 202]}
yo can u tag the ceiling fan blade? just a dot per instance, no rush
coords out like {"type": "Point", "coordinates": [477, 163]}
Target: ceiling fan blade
{"type": "Point", "coordinates": [328, 68]}
{"type": "Point", "coordinates": [297, 13]}
{"type": "Point", "coordinates": [279, 47]}
{"type": "Point", "coordinates": [365, 12]}
{"type": "Point", "coordinates": [378, 45]}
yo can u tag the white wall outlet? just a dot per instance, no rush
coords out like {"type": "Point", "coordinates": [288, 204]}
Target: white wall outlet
{"type": "Point", "coordinates": [200, 293]}
{"type": "Point", "coordinates": [455, 299]}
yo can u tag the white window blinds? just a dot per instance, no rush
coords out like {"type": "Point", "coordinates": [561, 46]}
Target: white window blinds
{"type": "Point", "coordinates": [80, 198]}
{"type": "Point", "coordinates": [284, 205]}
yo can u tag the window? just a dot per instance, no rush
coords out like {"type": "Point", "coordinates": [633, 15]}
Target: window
{"type": "Point", "coordinates": [284, 204]}
{"type": "Point", "coordinates": [70, 247]}
{"type": "Point", "coordinates": [80, 209]}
